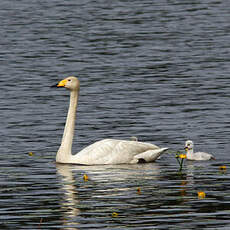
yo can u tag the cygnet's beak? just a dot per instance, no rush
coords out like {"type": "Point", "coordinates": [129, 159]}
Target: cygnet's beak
{"type": "Point", "coordinates": [186, 148]}
{"type": "Point", "coordinates": [60, 84]}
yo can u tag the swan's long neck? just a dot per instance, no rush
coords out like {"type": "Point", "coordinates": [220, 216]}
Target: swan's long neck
{"type": "Point", "coordinates": [65, 151]}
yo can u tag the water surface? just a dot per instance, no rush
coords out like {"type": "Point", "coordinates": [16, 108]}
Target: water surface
{"type": "Point", "coordinates": [155, 70]}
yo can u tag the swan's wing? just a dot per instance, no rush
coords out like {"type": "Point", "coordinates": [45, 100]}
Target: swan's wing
{"type": "Point", "coordinates": [111, 151]}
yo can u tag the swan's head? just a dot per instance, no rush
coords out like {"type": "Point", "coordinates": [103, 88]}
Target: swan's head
{"type": "Point", "coordinates": [71, 83]}
{"type": "Point", "coordinates": [188, 145]}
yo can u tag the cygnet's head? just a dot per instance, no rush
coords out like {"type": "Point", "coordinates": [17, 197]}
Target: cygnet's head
{"type": "Point", "coordinates": [133, 138]}
{"type": "Point", "coordinates": [71, 83]}
{"type": "Point", "coordinates": [188, 145]}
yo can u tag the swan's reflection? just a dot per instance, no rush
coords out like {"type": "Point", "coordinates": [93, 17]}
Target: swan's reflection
{"type": "Point", "coordinates": [98, 174]}
{"type": "Point", "coordinates": [70, 201]}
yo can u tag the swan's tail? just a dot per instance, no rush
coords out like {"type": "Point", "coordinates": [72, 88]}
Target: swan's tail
{"type": "Point", "coordinates": [149, 156]}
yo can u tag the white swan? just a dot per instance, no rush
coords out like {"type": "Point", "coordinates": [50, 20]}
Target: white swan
{"type": "Point", "coordinates": [107, 151]}
{"type": "Point", "coordinates": [198, 156]}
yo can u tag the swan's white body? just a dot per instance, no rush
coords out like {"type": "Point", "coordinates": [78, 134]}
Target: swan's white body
{"type": "Point", "coordinates": [197, 156]}
{"type": "Point", "coordinates": [107, 151]}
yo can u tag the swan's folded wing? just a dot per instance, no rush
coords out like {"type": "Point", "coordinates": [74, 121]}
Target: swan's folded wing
{"type": "Point", "coordinates": [112, 151]}
{"type": "Point", "coordinates": [125, 151]}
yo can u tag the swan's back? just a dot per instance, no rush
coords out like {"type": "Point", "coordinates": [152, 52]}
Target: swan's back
{"type": "Point", "coordinates": [111, 151]}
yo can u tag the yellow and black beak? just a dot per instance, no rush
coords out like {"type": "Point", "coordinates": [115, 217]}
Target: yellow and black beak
{"type": "Point", "coordinates": [60, 84]}
{"type": "Point", "coordinates": [186, 148]}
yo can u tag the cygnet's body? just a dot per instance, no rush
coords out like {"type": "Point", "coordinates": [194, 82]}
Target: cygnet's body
{"type": "Point", "coordinates": [197, 156]}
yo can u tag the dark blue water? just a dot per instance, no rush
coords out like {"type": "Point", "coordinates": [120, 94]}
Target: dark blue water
{"type": "Point", "coordinates": [158, 70]}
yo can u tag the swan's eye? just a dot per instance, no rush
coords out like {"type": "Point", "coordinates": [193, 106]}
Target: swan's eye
{"type": "Point", "coordinates": [188, 144]}
{"type": "Point", "coordinates": [69, 79]}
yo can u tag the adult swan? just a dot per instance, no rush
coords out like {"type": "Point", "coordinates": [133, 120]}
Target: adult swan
{"type": "Point", "coordinates": [107, 151]}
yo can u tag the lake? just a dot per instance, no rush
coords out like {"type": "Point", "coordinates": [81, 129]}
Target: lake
{"type": "Point", "coordinates": [157, 70]}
